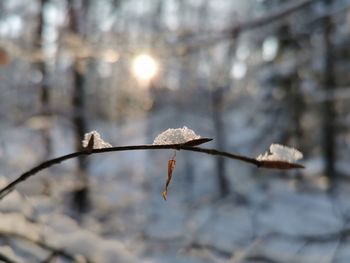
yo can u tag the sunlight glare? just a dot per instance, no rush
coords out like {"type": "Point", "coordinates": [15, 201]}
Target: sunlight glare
{"type": "Point", "coordinates": [144, 67]}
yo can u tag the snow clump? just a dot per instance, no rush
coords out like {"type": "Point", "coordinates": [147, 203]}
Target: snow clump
{"type": "Point", "coordinates": [99, 143]}
{"type": "Point", "coordinates": [281, 153]}
{"type": "Point", "coordinates": [176, 136]}
{"type": "Point", "coordinates": [7, 252]}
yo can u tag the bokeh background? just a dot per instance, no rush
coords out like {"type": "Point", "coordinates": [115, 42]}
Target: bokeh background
{"type": "Point", "coordinates": [246, 73]}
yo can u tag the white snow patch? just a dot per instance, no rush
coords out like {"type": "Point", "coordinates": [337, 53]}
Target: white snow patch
{"type": "Point", "coordinates": [65, 234]}
{"type": "Point", "coordinates": [175, 136]}
{"type": "Point", "coordinates": [99, 143]}
{"type": "Point", "coordinates": [9, 253]}
{"type": "Point", "coordinates": [93, 247]}
{"type": "Point", "coordinates": [281, 153]}
{"type": "Point", "coordinates": [15, 203]}
{"type": "Point", "coordinates": [17, 224]}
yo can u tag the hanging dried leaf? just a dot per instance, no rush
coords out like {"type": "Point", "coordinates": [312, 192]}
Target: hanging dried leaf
{"type": "Point", "coordinates": [171, 168]}
{"type": "Point", "coordinates": [4, 57]}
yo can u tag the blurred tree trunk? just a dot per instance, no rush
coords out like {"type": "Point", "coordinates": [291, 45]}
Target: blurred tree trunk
{"type": "Point", "coordinates": [296, 106]}
{"type": "Point", "coordinates": [328, 107]}
{"type": "Point", "coordinates": [156, 28]}
{"type": "Point", "coordinates": [218, 101]}
{"type": "Point", "coordinates": [44, 88]}
{"type": "Point", "coordinates": [289, 48]}
{"type": "Point", "coordinates": [187, 64]}
{"type": "Point", "coordinates": [220, 138]}
{"type": "Point", "coordinates": [81, 194]}
{"type": "Point", "coordinates": [298, 109]}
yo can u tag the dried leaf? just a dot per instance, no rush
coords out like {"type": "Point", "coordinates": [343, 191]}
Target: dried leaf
{"type": "Point", "coordinates": [196, 142]}
{"type": "Point", "coordinates": [98, 142]}
{"type": "Point", "coordinates": [171, 168]}
{"type": "Point", "coordinates": [4, 57]}
{"type": "Point", "coordinates": [280, 165]}
{"type": "Point", "coordinates": [90, 145]}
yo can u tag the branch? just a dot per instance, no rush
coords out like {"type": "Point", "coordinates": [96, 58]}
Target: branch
{"type": "Point", "coordinates": [234, 31]}
{"type": "Point", "coordinates": [187, 147]}
{"type": "Point", "coordinates": [6, 259]}
{"type": "Point", "coordinates": [316, 238]}
{"type": "Point", "coordinates": [267, 19]}
{"type": "Point", "coordinates": [253, 252]}
{"type": "Point", "coordinates": [53, 250]}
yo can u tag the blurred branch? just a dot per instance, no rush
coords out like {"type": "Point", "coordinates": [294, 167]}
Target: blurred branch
{"type": "Point", "coordinates": [254, 252]}
{"type": "Point", "coordinates": [316, 238]}
{"type": "Point", "coordinates": [212, 248]}
{"type": "Point", "coordinates": [267, 19]}
{"type": "Point", "coordinates": [257, 252]}
{"type": "Point", "coordinates": [42, 244]}
{"type": "Point", "coordinates": [6, 259]}
{"type": "Point", "coordinates": [331, 12]}
{"type": "Point", "coordinates": [234, 31]}
{"type": "Point", "coordinates": [187, 147]}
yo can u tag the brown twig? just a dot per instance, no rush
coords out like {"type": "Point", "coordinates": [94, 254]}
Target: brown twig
{"type": "Point", "coordinates": [261, 164]}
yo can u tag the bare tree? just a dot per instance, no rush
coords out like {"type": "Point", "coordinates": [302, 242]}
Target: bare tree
{"type": "Point", "coordinates": [328, 107]}
{"type": "Point", "coordinates": [44, 87]}
{"type": "Point", "coordinates": [80, 195]}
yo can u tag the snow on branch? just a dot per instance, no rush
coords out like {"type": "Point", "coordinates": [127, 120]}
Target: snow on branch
{"type": "Point", "coordinates": [176, 139]}
{"type": "Point", "coordinates": [280, 157]}
{"type": "Point", "coordinates": [280, 152]}
{"type": "Point", "coordinates": [173, 136]}
{"type": "Point", "coordinates": [183, 136]}
{"type": "Point", "coordinates": [98, 142]}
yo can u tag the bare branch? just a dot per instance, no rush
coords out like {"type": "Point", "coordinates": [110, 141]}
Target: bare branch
{"type": "Point", "coordinates": [261, 164]}
{"type": "Point", "coordinates": [234, 31]}
{"type": "Point", "coordinates": [267, 19]}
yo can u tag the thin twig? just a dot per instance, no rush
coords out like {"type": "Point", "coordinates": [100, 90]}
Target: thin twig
{"type": "Point", "coordinates": [262, 164]}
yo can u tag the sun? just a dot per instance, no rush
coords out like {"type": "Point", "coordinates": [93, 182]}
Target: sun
{"type": "Point", "coordinates": [144, 67]}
